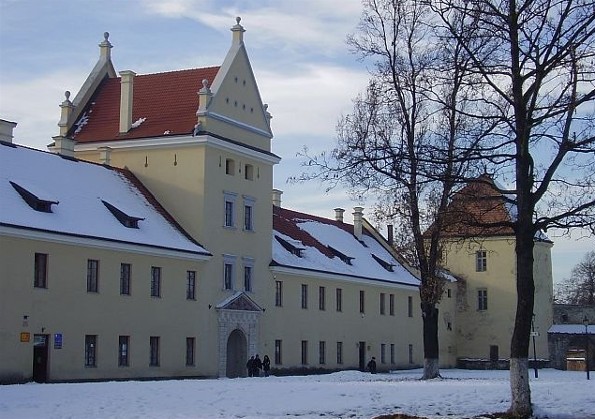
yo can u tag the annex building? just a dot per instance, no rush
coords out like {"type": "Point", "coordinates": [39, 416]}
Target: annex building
{"type": "Point", "coordinates": [150, 243]}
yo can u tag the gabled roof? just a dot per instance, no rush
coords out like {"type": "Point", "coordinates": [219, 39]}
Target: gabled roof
{"type": "Point", "coordinates": [239, 301]}
{"type": "Point", "coordinates": [166, 103]}
{"type": "Point", "coordinates": [329, 247]}
{"type": "Point", "coordinates": [79, 189]}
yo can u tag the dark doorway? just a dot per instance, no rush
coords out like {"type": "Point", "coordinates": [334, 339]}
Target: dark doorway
{"type": "Point", "coordinates": [494, 353]}
{"type": "Point", "coordinates": [362, 356]}
{"type": "Point", "coordinates": [236, 354]}
{"type": "Point", "coordinates": [40, 358]}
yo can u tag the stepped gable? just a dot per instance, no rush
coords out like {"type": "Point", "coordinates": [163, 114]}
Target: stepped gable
{"type": "Point", "coordinates": [167, 101]}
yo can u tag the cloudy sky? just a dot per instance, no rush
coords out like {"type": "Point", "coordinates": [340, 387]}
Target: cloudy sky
{"type": "Point", "coordinates": [297, 48]}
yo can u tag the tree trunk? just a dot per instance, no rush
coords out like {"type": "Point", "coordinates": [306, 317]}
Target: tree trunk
{"type": "Point", "coordinates": [519, 345]}
{"type": "Point", "coordinates": [431, 348]}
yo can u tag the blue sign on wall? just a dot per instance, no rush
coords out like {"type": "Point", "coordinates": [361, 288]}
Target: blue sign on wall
{"type": "Point", "coordinates": [58, 341]}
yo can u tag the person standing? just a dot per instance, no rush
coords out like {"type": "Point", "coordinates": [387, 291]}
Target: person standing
{"type": "Point", "coordinates": [250, 366]}
{"type": "Point", "coordinates": [372, 365]}
{"type": "Point", "coordinates": [266, 365]}
{"type": "Point", "coordinates": [257, 366]}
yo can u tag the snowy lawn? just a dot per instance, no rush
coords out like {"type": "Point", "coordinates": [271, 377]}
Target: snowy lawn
{"type": "Point", "coordinates": [459, 394]}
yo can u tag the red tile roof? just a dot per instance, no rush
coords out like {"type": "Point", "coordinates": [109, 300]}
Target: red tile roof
{"type": "Point", "coordinates": [168, 101]}
{"type": "Point", "coordinates": [285, 221]}
{"type": "Point", "coordinates": [478, 209]}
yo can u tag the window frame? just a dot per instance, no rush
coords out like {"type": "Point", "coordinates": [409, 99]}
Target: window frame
{"type": "Point", "coordinates": [278, 351]}
{"type": "Point", "coordinates": [304, 296]}
{"type": "Point", "coordinates": [322, 352]}
{"type": "Point", "coordinates": [123, 351]}
{"type": "Point", "coordinates": [304, 352]}
{"type": "Point", "coordinates": [191, 285]}
{"type": "Point", "coordinates": [409, 306]}
{"type": "Point", "coordinates": [190, 351]}
{"type": "Point", "coordinates": [481, 260]}
{"type": "Point", "coordinates": [90, 351]}
{"type": "Point", "coordinates": [321, 298]}
{"type": "Point", "coordinates": [362, 301]}
{"type": "Point", "coordinates": [125, 278]}
{"type": "Point", "coordinates": [340, 353]}
{"type": "Point", "coordinates": [278, 293]}
{"type": "Point", "coordinates": [382, 304]}
{"type": "Point", "coordinates": [154, 351]}
{"type": "Point", "coordinates": [482, 299]}
{"type": "Point", "coordinates": [229, 272]}
{"type": "Point", "coordinates": [92, 275]}
{"type": "Point", "coordinates": [40, 270]}
{"type": "Point", "coordinates": [391, 304]}
{"type": "Point", "coordinates": [249, 204]}
{"type": "Point", "coordinates": [156, 281]}
{"type": "Point", "coordinates": [339, 299]}
{"type": "Point", "coordinates": [229, 209]}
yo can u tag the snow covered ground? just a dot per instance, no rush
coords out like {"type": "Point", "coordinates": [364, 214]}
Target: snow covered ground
{"type": "Point", "coordinates": [347, 394]}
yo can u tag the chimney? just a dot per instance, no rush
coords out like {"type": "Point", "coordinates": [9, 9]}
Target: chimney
{"type": "Point", "coordinates": [339, 214]}
{"type": "Point", "coordinates": [390, 239]}
{"type": "Point", "coordinates": [277, 197]}
{"type": "Point", "coordinates": [66, 109]}
{"type": "Point", "coordinates": [63, 146]}
{"type": "Point", "coordinates": [237, 32]}
{"type": "Point", "coordinates": [105, 155]}
{"type": "Point", "coordinates": [358, 221]}
{"type": "Point", "coordinates": [126, 92]}
{"type": "Point", "coordinates": [6, 128]}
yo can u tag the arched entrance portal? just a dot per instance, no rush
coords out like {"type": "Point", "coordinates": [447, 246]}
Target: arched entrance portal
{"type": "Point", "coordinates": [236, 354]}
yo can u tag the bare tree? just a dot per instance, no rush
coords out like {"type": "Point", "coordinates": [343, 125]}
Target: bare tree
{"type": "Point", "coordinates": [535, 61]}
{"type": "Point", "coordinates": [407, 141]}
{"type": "Point", "coordinates": [580, 287]}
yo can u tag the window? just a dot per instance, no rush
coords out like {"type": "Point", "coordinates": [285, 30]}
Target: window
{"type": "Point", "coordinates": [391, 304]}
{"type": "Point", "coordinates": [362, 300]}
{"type": "Point", "coordinates": [248, 278]}
{"type": "Point", "coordinates": [229, 209]}
{"type": "Point", "coordinates": [410, 353]}
{"type": "Point", "coordinates": [40, 271]}
{"type": "Point", "coordinates": [154, 351]}
{"type": "Point", "coordinates": [392, 353]}
{"type": "Point", "coordinates": [229, 262]}
{"type": "Point", "coordinates": [191, 285]}
{"type": "Point", "coordinates": [482, 299]}
{"type": "Point", "coordinates": [92, 275]}
{"type": "Point", "coordinates": [448, 293]}
{"type": "Point", "coordinates": [382, 303]}
{"type": "Point", "coordinates": [34, 201]}
{"type": "Point", "coordinates": [383, 353]}
{"type": "Point", "coordinates": [123, 350]}
{"type": "Point", "coordinates": [321, 298]}
{"type": "Point", "coordinates": [90, 350]}
{"type": "Point", "coordinates": [304, 352]}
{"type": "Point", "coordinates": [279, 293]}
{"type": "Point", "coordinates": [339, 352]}
{"type": "Point", "coordinates": [125, 270]}
{"type": "Point", "coordinates": [127, 220]}
{"type": "Point", "coordinates": [339, 295]}
{"type": "Point", "coordinates": [410, 306]}
{"type": "Point", "coordinates": [249, 213]}
{"type": "Point", "coordinates": [278, 347]}
{"type": "Point", "coordinates": [322, 352]}
{"type": "Point", "coordinates": [155, 281]}
{"type": "Point", "coordinates": [230, 167]}
{"type": "Point", "coordinates": [190, 348]}
{"type": "Point", "coordinates": [304, 296]}
{"type": "Point", "coordinates": [481, 261]}
{"type": "Point", "coordinates": [249, 172]}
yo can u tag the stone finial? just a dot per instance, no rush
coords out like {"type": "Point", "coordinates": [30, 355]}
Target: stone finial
{"type": "Point", "coordinates": [267, 114]}
{"type": "Point", "coordinates": [105, 47]}
{"type": "Point", "coordinates": [237, 32]}
{"type": "Point", "coordinates": [204, 97]}
{"type": "Point", "coordinates": [66, 108]}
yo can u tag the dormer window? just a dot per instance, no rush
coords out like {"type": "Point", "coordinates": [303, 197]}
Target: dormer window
{"type": "Point", "coordinates": [128, 221]}
{"type": "Point", "coordinates": [388, 266]}
{"type": "Point", "coordinates": [291, 247]}
{"type": "Point", "coordinates": [346, 259]}
{"type": "Point", "coordinates": [34, 200]}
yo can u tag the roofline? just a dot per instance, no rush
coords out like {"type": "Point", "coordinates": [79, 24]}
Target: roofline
{"type": "Point", "coordinates": [203, 137]}
{"type": "Point", "coordinates": [508, 236]}
{"type": "Point", "coordinates": [59, 237]}
{"type": "Point", "coordinates": [280, 268]}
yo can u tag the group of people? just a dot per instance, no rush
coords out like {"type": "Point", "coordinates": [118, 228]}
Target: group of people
{"type": "Point", "coordinates": [255, 364]}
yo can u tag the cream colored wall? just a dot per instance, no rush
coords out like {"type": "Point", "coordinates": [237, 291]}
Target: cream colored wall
{"type": "Point", "coordinates": [292, 324]}
{"type": "Point", "coordinates": [66, 307]}
{"type": "Point", "coordinates": [477, 330]}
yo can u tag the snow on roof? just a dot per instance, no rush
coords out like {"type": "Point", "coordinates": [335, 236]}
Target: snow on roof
{"type": "Point", "coordinates": [320, 238]}
{"type": "Point", "coordinates": [571, 329]}
{"type": "Point", "coordinates": [79, 188]}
